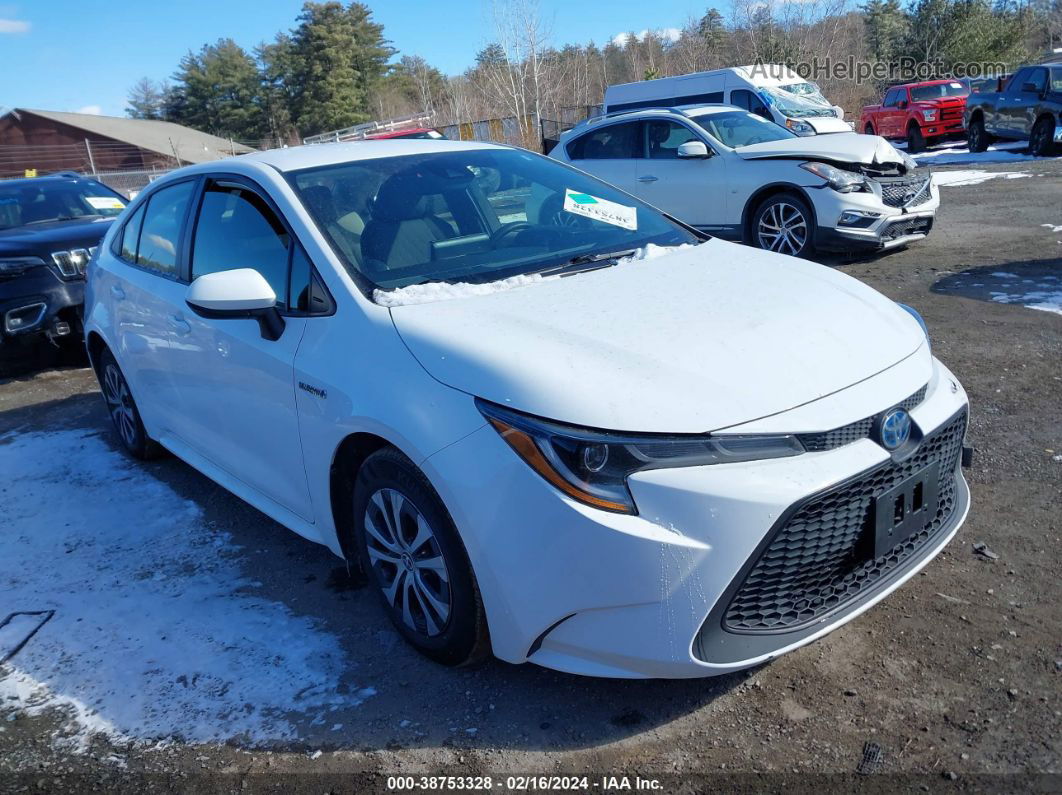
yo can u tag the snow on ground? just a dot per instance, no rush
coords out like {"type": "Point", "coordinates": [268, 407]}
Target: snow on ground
{"type": "Point", "coordinates": [958, 154]}
{"type": "Point", "coordinates": [1044, 293]}
{"type": "Point", "coordinates": [973, 177]}
{"type": "Point", "coordinates": [156, 634]}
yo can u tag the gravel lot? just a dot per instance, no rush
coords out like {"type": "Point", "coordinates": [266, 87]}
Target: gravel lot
{"type": "Point", "coordinates": [955, 676]}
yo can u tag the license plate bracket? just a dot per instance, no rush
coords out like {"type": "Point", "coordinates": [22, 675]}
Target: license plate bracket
{"type": "Point", "coordinates": [905, 509]}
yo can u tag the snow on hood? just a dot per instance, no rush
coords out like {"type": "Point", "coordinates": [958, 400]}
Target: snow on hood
{"type": "Point", "coordinates": [843, 147]}
{"type": "Point", "coordinates": [697, 340]}
{"type": "Point", "coordinates": [442, 291]}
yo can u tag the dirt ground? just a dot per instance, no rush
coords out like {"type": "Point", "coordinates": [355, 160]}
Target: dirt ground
{"type": "Point", "coordinates": [956, 676]}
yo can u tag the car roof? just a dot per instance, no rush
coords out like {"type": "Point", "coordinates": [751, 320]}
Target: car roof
{"type": "Point", "coordinates": [689, 111]}
{"type": "Point", "coordinates": [295, 158]}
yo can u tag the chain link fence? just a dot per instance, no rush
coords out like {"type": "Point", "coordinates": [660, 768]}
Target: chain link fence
{"type": "Point", "coordinates": [129, 183]}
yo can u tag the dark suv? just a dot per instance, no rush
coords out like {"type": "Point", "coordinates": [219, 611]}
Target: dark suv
{"type": "Point", "coordinates": [49, 229]}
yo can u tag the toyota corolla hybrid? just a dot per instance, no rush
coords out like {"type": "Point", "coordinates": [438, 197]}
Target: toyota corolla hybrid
{"type": "Point", "coordinates": [548, 421]}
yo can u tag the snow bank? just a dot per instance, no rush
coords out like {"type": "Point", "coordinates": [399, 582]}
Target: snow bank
{"type": "Point", "coordinates": [1003, 152]}
{"type": "Point", "coordinates": [443, 291]}
{"type": "Point", "coordinates": [156, 634]}
{"type": "Point", "coordinates": [973, 177]}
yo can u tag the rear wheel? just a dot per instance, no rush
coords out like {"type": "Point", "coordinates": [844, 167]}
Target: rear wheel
{"type": "Point", "coordinates": [1041, 142]}
{"type": "Point", "coordinates": [784, 223]}
{"type": "Point", "coordinates": [412, 553]}
{"type": "Point", "coordinates": [976, 136]}
{"type": "Point", "coordinates": [869, 129]}
{"type": "Point", "coordinates": [916, 142]}
{"type": "Point", "coordinates": [125, 416]}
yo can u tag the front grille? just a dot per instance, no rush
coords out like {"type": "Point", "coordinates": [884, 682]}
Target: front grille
{"type": "Point", "coordinates": [908, 226]}
{"type": "Point", "coordinates": [950, 113]}
{"type": "Point", "coordinates": [854, 431]}
{"type": "Point", "coordinates": [905, 191]}
{"type": "Point", "coordinates": [820, 558]}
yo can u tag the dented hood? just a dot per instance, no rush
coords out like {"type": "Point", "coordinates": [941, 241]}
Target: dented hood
{"type": "Point", "coordinates": [843, 148]}
{"type": "Point", "coordinates": [696, 340]}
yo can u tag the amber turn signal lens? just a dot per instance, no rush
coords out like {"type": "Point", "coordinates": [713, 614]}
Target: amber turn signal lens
{"type": "Point", "coordinates": [526, 448]}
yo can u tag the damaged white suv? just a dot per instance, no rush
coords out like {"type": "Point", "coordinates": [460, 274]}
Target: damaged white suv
{"type": "Point", "coordinates": [547, 420]}
{"type": "Point", "coordinates": [737, 175]}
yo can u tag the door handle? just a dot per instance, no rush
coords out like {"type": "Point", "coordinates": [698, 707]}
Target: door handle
{"type": "Point", "coordinates": [180, 325]}
{"type": "Point", "coordinates": [647, 178]}
{"type": "Point", "coordinates": [117, 293]}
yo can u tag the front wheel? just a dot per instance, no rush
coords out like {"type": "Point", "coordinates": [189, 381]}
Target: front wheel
{"type": "Point", "coordinates": [1041, 142]}
{"type": "Point", "coordinates": [412, 553]}
{"type": "Point", "coordinates": [916, 142]}
{"type": "Point", "coordinates": [976, 136]}
{"type": "Point", "coordinates": [783, 223]}
{"type": "Point", "coordinates": [869, 129]}
{"type": "Point", "coordinates": [123, 410]}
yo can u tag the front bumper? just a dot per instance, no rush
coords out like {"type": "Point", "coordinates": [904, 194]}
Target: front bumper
{"type": "Point", "coordinates": [589, 592]}
{"type": "Point", "coordinates": [893, 227]}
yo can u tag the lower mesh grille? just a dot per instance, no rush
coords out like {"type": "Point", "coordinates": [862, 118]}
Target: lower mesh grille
{"type": "Point", "coordinates": [910, 226]}
{"type": "Point", "coordinates": [821, 559]}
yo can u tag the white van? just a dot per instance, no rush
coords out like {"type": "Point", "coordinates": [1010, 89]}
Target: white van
{"type": "Point", "coordinates": [773, 91]}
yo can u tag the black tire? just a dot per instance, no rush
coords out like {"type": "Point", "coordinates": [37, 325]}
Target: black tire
{"type": "Point", "coordinates": [125, 416]}
{"type": "Point", "coordinates": [869, 129]}
{"type": "Point", "coordinates": [779, 207]}
{"type": "Point", "coordinates": [916, 142]}
{"type": "Point", "coordinates": [416, 580]}
{"type": "Point", "coordinates": [976, 136]}
{"type": "Point", "coordinates": [1041, 142]}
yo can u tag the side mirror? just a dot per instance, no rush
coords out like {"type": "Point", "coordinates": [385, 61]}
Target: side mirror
{"type": "Point", "coordinates": [902, 104]}
{"type": "Point", "coordinates": [1029, 88]}
{"type": "Point", "coordinates": [239, 293]}
{"type": "Point", "coordinates": [693, 149]}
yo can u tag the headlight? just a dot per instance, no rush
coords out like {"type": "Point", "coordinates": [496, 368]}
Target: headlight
{"type": "Point", "coordinates": [12, 266]}
{"type": "Point", "coordinates": [799, 127]}
{"type": "Point", "coordinates": [909, 162]}
{"type": "Point", "coordinates": [592, 466]}
{"type": "Point", "coordinates": [914, 313]}
{"type": "Point", "coordinates": [838, 179]}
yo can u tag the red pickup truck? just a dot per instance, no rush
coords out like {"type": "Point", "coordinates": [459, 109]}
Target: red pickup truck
{"type": "Point", "coordinates": [919, 113]}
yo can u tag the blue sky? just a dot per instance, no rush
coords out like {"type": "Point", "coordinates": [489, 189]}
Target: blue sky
{"type": "Point", "coordinates": [72, 55]}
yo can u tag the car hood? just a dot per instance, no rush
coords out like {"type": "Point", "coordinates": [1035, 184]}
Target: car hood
{"type": "Point", "coordinates": [828, 124]}
{"type": "Point", "coordinates": [696, 340]}
{"type": "Point", "coordinates": [53, 235]}
{"type": "Point", "coordinates": [844, 148]}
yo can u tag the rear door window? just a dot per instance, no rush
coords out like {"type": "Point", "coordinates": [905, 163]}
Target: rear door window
{"type": "Point", "coordinates": [614, 142]}
{"type": "Point", "coordinates": [161, 230]}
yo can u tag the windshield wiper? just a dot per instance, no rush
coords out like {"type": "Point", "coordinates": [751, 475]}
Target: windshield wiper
{"type": "Point", "coordinates": [64, 218]}
{"type": "Point", "coordinates": [582, 263]}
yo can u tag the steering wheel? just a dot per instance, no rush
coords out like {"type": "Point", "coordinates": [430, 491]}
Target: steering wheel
{"type": "Point", "coordinates": [509, 230]}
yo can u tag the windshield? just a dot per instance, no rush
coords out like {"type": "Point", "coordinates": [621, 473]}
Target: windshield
{"type": "Point", "coordinates": [739, 128]}
{"type": "Point", "coordinates": [27, 203]}
{"type": "Point", "coordinates": [939, 90]}
{"type": "Point", "coordinates": [796, 107]}
{"type": "Point", "coordinates": [807, 90]}
{"type": "Point", "coordinates": [471, 216]}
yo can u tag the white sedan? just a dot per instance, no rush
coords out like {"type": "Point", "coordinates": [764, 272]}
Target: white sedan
{"type": "Point", "coordinates": [546, 420]}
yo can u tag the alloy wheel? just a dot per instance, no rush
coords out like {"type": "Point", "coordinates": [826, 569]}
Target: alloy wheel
{"type": "Point", "coordinates": [408, 562]}
{"type": "Point", "coordinates": [1041, 137]}
{"type": "Point", "coordinates": [782, 228]}
{"type": "Point", "coordinates": [120, 405]}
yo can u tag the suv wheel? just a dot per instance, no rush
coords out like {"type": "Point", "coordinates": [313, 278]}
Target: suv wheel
{"type": "Point", "coordinates": [976, 137]}
{"type": "Point", "coordinates": [783, 223]}
{"type": "Point", "coordinates": [916, 142]}
{"type": "Point", "coordinates": [412, 553]}
{"type": "Point", "coordinates": [1041, 142]}
{"type": "Point", "coordinates": [122, 408]}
